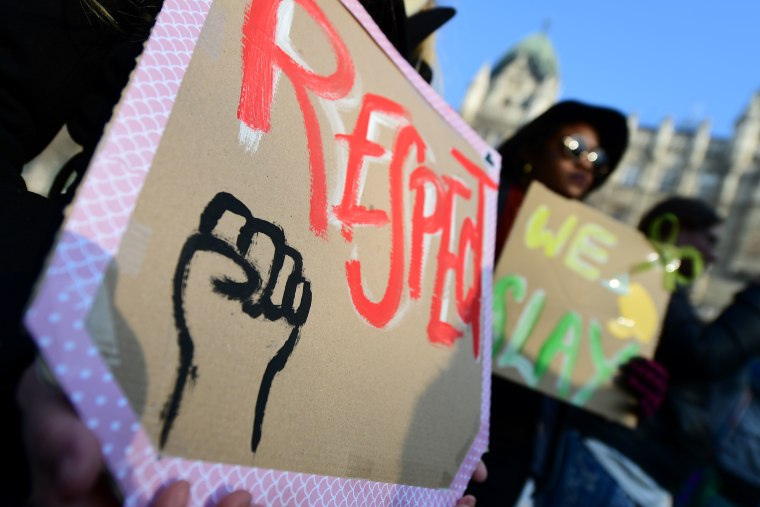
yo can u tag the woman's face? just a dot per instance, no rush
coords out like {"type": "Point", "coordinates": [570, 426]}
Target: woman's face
{"type": "Point", "coordinates": [566, 162]}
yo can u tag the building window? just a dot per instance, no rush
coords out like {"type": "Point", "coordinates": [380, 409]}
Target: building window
{"type": "Point", "coordinates": [493, 138]}
{"type": "Point", "coordinates": [708, 185]}
{"type": "Point", "coordinates": [630, 176]}
{"type": "Point", "coordinates": [619, 213]}
{"type": "Point", "coordinates": [669, 182]}
{"type": "Point", "coordinates": [752, 248]}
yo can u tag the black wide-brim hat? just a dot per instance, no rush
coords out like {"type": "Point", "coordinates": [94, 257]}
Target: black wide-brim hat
{"type": "Point", "coordinates": [610, 124]}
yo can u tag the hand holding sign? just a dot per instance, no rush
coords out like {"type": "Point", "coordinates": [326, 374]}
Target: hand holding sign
{"type": "Point", "coordinates": [64, 456]}
{"type": "Point", "coordinates": [647, 380]}
{"type": "Point", "coordinates": [255, 295]}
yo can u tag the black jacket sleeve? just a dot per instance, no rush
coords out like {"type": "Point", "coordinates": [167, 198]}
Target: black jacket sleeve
{"type": "Point", "coordinates": [693, 351]}
{"type": "Point", "coordinates": [59, 66]}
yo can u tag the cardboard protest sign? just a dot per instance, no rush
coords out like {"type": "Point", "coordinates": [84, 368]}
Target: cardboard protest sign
{"type": "Point", "coordinates": [277, 273]}
{"type": "Point", "coordinates": [576, 295]}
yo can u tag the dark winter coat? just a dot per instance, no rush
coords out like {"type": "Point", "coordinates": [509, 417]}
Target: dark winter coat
{"type": "Point", "coordinates": [59, 66]}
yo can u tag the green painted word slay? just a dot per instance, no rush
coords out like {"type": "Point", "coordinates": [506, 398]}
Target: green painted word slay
{"type": "Point", "coordinates": [563, 343]}
{"type": "Point", "coordinates": [582, 248]}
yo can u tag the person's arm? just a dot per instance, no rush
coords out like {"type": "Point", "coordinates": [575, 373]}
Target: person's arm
{"type": "Point", "coordinates": [691, 350]}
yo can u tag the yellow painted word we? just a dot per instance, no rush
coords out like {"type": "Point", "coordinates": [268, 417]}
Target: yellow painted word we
{"type": "Point", "coordinates": [588, 243]}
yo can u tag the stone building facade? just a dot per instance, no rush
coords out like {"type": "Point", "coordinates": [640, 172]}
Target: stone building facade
{"type": "Point", "coordinates": [661, 161]}
{"type": "Point", "coordinates": [522, 85]}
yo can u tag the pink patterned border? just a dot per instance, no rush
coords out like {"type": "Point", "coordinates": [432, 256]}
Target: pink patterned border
{"type": "Point", "coordinates": [90, 241]}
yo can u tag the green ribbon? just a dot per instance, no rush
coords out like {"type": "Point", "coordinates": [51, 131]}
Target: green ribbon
{"type": "Point", "coordinates": [670, 255]}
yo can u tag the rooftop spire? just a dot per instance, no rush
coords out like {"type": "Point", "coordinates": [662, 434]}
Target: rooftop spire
{"type": "Point", "coordinates": [546, 25]}
{"type": "Point", "coordinates": [539, 51]}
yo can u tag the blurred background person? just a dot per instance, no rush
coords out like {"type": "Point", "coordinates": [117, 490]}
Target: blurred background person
{"type": "Point", "coordinates": [709, 418]}
{"type": "Point", "coordinates": [671, 456]}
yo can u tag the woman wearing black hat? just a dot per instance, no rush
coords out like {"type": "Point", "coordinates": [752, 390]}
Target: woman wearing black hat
{"type": "Point", "coordinates": [572, 148]}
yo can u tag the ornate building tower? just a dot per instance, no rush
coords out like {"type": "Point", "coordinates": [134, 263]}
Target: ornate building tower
{"type": "Point", "coordinates": [522, 85]}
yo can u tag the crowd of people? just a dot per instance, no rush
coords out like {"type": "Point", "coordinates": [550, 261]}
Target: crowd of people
{"type": "Point", "coordinates": [698, 399]}
{"type": "Point", "coordinates": [700, 373]}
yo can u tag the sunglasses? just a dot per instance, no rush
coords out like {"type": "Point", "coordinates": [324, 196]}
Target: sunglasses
{"type": "Point", "coordinates": [576, 147]}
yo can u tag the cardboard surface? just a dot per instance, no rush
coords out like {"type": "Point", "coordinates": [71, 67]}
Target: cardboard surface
{"type": "Point", "coordinates": [571, 304]}
{"type": "Point", "coordinates": [296, 282]}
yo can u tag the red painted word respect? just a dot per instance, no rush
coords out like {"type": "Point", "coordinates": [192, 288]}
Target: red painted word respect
{"type": "Point", "coordinates": [262, 58]}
